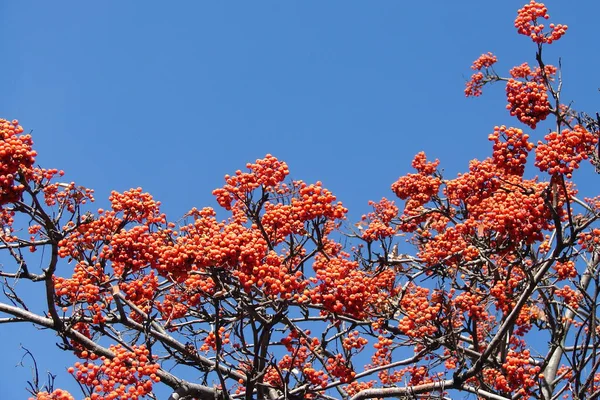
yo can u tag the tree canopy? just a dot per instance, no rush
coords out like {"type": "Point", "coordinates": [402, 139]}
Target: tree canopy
{"type": "Point", "coordinates": [494, 297]}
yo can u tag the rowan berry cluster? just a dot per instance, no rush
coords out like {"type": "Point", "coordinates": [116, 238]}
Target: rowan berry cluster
{"type": "Point", "coordinates": [210, 342]}
{"type": "Point", "coordinates": [344, 288]}
{"type": "Point", "coordinates": [129, 375]}
{"type": "Point", "coordinates": [478, 79]}
{"type": "Point", "coordinates": [279, 222]}
{"type": "Point", "coordinates": [380, 220]}
{"type": "Point", "coordinates": [511, 147]}
{"type": "Point", "coordinates": [268, 172]}
{"type": "Point", "coordinates": [565, 270]}
{"type": "Point", "coordinates": [382, 355]}
{"type": "Point", "coordinates": [484, 61]}
{"type": "Point", "coordinates": [337, 366]}
{"type": "Point", "coordinates": [84, 286]}
{"type": "Point", "coordinates": [518, 375]}
{"type": "Point", "coordinates": [86, 237]}
{"type": "Point", "coordinates": [569, 296]}
{"type": "Point", "coordinates": [420, 315]}
{"type": "Point", "coordinates": [518, 215]}
{"type": "Point", "coordinates": [447, 249]}
{"type": "Point", "coordinates": [133, 249]}
{"type": "Point", "coordinates": [528, 101]}
{"type": "Point", "coordinates": [58, 394]}
{"type": "Point", "coordinates": [474, 86]}
{"type": "Point", "coordinates": [137, 206]}
{"type": "Point", "coordinates": [67, 196]}
{"type": "Point", "coordinates": [314, 201]}
{"type": "Point", "coordinates": [479, 183]}
{"type": "Point", "coordinates": [562, 153]}
{"type": "Point", "coordinates": [16, 157]}
{"type": "Point", "coordinates": [354, 387]}
{"type": "Point", "coordinates": [527, 24]}
{"type": "Point", "coordinates": [354, 341]}
{"type": "Point", "coordinates": [589, 240]}
{"type": "Point", "coordinates": [418, 188]}
{"type": "Point", "coordinates": [141, 292]}
{"type": "Point", "coordinates": [300, 348]}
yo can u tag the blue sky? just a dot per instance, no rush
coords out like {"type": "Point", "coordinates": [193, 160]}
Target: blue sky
{"type": "Point", "coordinates": [172, 96]}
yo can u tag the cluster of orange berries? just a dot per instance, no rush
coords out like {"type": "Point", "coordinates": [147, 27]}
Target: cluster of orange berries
{"type": "Point", "coordinates": [421, 187]}
{"type": "Point", "coordinates": [527, 23]}
{"type": "Point", "coordinates": [300, 348]}
{"type": "Point", "coordinates": [475, 84]}
{"type": "Point", "coordinates": [472, 304]}
{"type": "Point", "coordinates": [562, 153]}
{"type": "Point", "coordinates": [423, 166]}
{"type": "Point", "coordinates": [519, 214]}
{"type": "Point", "coordinates": [16, 154]}
{"type": "Point", "coordinates": [141, 292]}
{"type": "Point", "coordinates": [382, 355]}
{"type": "Point", "coordinates": [511, 147]}
{"type": "Point", "coordinates": [89, 235]}
{"type": "Point", "coordinates": [338, 367]}
{"type": "Point", "coordinates": [518, 375]}
{"type": "Point", "coordinates": [137, 206]}
{"type": "Point", "coordinates": [354, 341]}
{"type": "Point", "coordinates": [420, 314]}
{"type": "Point", "coordinates": [380, 220]}
{"type": "Point", "coordinates": [279, 221]}
{"type": "Point", "coordinates": [58, 394]}
{"type": "Point", "coordinates": [317, 377]}
{"type": "Point", "coordinates": [315, 201]}
{"type": "Point", "coordinates": [268, 172]}
{"type": "Point", "coordinates": [484, 61]}
{"type": "Point", "coordinates": [210, 342]}
{"type": "Point", "coordinates": [474, 87]}
{"type": "Point", "coordinates": [503, 294]}
{"type": "Point", "coordinates": [122, 377]}
{"type": "Point", "coordinates": [418, 189]}
{"type": "Point", "coordinates": [133, 249]}
{"type": "Point", "coordinates": [346, 289]}
{"type": "Point", "coordinates": [275, 277]}
{"type": "Point", "coordinates": [39, 175]}
{"type": "Point", "coordinates": [590, 240]}
{"type": "Point", "coordinates": [450, 247]}
{"type": "Point", "coordinates": [528, 101]}
{"type": "Point", "coordinates": [84, 286]}
{"type": "Point", "coordinates": [569, 296]}
{"type": "Point", "coordinates": [419, 374]}
{"type": "Point", "coordinates": [356, 386]}
{"type": "Point", "coordinates": [479, 183]}
{"type": "Point", "coordinates": [67, 196]}
{"type": "Point", "coordinates": [565, 270]}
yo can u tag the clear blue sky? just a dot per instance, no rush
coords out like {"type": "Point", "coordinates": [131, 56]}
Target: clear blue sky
{"type": "Point", "coordinates": [170, 96]}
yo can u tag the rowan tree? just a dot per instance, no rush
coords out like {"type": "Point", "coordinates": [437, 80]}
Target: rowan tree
{"type": "Point", "coordinates": [284, 299]}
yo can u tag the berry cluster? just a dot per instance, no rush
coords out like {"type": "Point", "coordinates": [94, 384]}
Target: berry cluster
{"type": "Point", "coordinates": [484, 61]}
{"type": "Point", "coordinates": [16, 156]}
{"type": "Point", "coordinates": [511, 147]}
{"type": "Point", "coordinates": [268, 173]}
{"type": "Point", "coordinates": [338, 367]}
{"type": "Point", "coordinates": [478, 79]}
{"type": "Point", "coordinates": [420, 314]}
{"type": "Point", "coordinates": [58, 394]}
{"type": "Point", "coordinates": [129, 375]}
{"type": "Point", "coordinates": [562, 153]}
{"type": "Point", "coordinates": [528, 101]}
{"type": "Point", "coordinates": [527, 24]}
{"type": "Point", "coordinates": [380, 220]}
{"type": "Point", "coordinates": [516, 376]}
